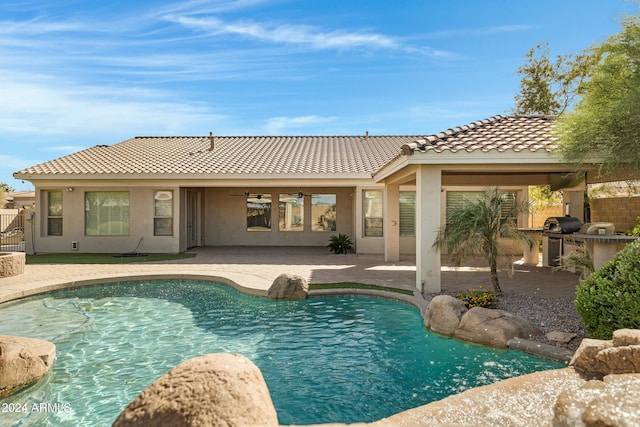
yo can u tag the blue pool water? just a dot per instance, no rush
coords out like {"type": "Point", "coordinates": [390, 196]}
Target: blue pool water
{"type": "Point", "coordinates": [331, 359]}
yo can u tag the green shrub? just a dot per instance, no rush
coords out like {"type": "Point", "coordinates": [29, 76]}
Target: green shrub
{"type": "Point", "coordinates": [609, 299]}
{"type": "Point", "coordinates": [635, 231]}
{"type": "Point", "coordinates": [477, 298]}
{"type": "Point", "coordinates": [340, 244]}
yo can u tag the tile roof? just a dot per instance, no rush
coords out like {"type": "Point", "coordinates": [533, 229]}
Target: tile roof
{"type": "Point", "coordinates": [500, 133]}
{"type": "Point", "coordinates": [291, 155]}
{"type": "Point", "coordinates": [231, 155]}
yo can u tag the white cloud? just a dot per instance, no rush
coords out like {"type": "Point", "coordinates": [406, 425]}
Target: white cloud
{"type": "Point", "coordinates": [48, 107]}
{"type": "Point", "coordinates": [481, 31]}
{"type": "Point", "coordinates": [199, 7]}
{"type": "Point", "coordinates": [289, 34]}
{"type": "Point", "coordinates": [279, 125]}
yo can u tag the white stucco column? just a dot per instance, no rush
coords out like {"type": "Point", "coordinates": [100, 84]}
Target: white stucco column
{"type": "Point", "coordinates": [573, 202]}
{"type": "Point", "coordinates": [392, 223]}
{"type": "Point", "coordinates": [428, 207]}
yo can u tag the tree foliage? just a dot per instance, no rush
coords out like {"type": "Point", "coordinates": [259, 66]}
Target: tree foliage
{"type": "Point", "coordinates": [476, 228]}
{"type": "Point", "coordinates": [542, 197]}
{"type": "Point", "coordinates": [603, 128]}
{"type": "Point", "coordinates": [548, 86]}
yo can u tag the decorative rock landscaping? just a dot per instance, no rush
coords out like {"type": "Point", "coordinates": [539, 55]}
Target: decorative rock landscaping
{"type": "Point", "coordinates": [23, 361]}
{"type": "Point", "coordinates": [210, 390]}
{"type": "Point", "coordinates": [598, 358]}
{"type": "Point", "coordinates": [448, 315]}
{"type": "Point", "coordinates": [289, 286]}
{"type": "Point", "coordinates": [11, 263]}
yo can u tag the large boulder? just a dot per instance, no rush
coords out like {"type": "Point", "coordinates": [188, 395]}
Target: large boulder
{"type": "Point", "coordinates": [209, 390]}
{"type": "Point", "coordinates": [493, 327]}
{"type": "Point", "coordinates": [23, 361]}
{"type": "Point", "coordinates": [612, 402]}
{"type": "Point", "coordinates": [443, 314]}
{"type": "Point", "coordinates": [289, 286]}
{"type": "Point", "coordinates": [621, 355]}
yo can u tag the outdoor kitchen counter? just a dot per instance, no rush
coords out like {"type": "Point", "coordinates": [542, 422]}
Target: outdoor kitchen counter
{"type": "Point", "coordinates": [602, 247]}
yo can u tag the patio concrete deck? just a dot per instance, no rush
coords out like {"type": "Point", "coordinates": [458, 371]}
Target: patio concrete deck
{"type": "Point", "coordinates": [253, 269]}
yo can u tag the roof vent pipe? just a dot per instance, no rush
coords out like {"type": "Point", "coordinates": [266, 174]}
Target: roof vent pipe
{"type": "Point", "coordinates": [366, 135]}
{"type": "Point", "coordinates": [211, 140]}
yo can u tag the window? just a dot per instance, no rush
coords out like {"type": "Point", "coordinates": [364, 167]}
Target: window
{"type": "Point", "coordinates": [291, 209]}
{"type": "Point", "coordinates": [407, 213]}
{"type": "Point", "coordinates": [54, 213]}
{"type": "Point", "coordinates": [106, 213]}
{"type": "Point", "coordinates": [323, 212]}
{"type": "Point", "coordinates": [372, 205]}
{"type": "Point", "coordinates": [259, 212]}
{"type": "Point", "coordinates": [456, 199]}
{"type": "Point", "coordinates": [163, 213]}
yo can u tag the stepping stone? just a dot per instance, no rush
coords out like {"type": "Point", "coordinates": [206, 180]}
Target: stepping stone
{"type": "Point", "coordinates": [560, 337]}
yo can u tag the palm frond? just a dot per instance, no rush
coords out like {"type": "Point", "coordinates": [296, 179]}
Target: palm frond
{"type": "Point", "coordinates": [476, 227]}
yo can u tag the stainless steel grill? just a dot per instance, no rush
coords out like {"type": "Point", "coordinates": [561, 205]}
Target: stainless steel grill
{"type": "Point", "coordinates": [554, 230]}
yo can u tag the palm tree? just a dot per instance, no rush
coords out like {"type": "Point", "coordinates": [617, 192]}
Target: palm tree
{"type": "Point", "coordinates": [476, 227]}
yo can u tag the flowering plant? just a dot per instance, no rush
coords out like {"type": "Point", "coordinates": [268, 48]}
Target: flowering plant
{"type": "Point", "coordinates": [477, 298]}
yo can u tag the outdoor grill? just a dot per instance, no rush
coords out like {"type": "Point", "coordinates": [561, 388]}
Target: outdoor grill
{"type": "Point", "coordinates": [554, 229]}
{"type": "Point", "coordinates": [561, 225]}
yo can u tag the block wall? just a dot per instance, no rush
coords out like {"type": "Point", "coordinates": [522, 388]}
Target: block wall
{"type": "Point", "coordinates": [622, 211]}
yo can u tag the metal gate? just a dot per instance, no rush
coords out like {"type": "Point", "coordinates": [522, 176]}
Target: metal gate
{"type": "Point", "coordinates": [11, 231]}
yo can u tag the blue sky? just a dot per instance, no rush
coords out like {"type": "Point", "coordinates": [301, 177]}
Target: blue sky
{"type": "Point", "coordinates": [77, 73]}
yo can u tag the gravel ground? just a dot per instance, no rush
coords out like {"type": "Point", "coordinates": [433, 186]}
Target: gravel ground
{"type": "Point", "coordinates": [549, 314]}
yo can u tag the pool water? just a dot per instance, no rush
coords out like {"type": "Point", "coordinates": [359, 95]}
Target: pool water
{"type": "Point", "coordinates": [330, 359]}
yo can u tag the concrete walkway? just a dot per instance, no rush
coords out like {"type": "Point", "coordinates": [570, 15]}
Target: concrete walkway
{"type": "Point", "coordinates": [252, 270]}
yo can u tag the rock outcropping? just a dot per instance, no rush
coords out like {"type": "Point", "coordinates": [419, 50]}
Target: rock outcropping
{"type": "Point", "coordinates": [210, 390]}
{"type": "Point", "coordinates": [447, 315]}
{"type": "Point", "coordinates": [443, 314]}
{"type": "Point", "coordinates": [621, 355]}
{"type": "Point", "coordinates": [23, 361]}
{"type": "Point", "coordinates": [610, 398]}
{"type": "Point", "coordinates": [289, 286]}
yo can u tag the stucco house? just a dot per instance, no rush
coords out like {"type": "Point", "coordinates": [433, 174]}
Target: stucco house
{"type": "Point", "coordinates": [389, 193]}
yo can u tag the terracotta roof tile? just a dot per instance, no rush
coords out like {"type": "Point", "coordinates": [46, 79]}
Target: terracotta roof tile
{"type": "Point", "coordinates": [499, 133]}
{"type": "Point", "coordinates": [298, 155]}
{"type": "Point", "coordinates": [182, 155]}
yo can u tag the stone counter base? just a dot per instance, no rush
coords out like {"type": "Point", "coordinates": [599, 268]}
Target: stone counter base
{"type": "Point", "coordinates": [11, 263]}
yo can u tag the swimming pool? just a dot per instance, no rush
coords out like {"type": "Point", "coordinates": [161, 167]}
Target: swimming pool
{"type": "Point", "coordinates": [330, 359]}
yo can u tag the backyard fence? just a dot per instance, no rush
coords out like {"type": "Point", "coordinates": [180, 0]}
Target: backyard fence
{"type": "Point", "coordinates": [11, 230]}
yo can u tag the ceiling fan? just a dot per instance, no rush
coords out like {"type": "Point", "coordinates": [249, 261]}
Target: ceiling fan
{"type": "Point", "coordinates": [248, 195]}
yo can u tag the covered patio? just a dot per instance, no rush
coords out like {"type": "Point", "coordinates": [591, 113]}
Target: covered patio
{"type": "Point", "coordinates": [508, 152]}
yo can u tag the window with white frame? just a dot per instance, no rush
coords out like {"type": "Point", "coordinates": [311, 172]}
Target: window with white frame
{"type": "Point", "coordinates": [54, 213]}
{"type": "Point", "coordinates": [163, 213]}
{"type": "Point", "coordinates": [407, 213]}
{"type": "Point", "coordinates": [372, 213]}
{"type": "Point", "coordinates": [456, 199]}
{"type": "Point", "coordinates": [106, 213]}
